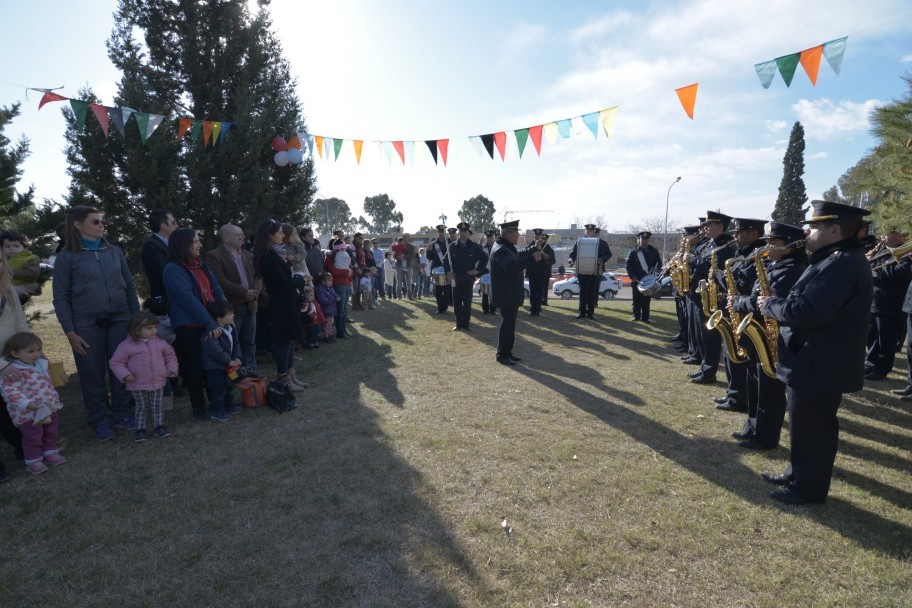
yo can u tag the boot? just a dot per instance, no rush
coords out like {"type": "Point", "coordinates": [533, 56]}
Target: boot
{"type": "Point", "coordinates": [295, 381]}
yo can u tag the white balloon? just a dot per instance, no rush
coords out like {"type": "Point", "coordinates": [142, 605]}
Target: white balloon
{"type": "Point", "coordinates": [281, 158]}
{"type": "Point", "coordinates": [295, 156]}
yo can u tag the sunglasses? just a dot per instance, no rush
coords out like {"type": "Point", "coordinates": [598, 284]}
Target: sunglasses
{"type": "Point", "coordinates": [97, 222]}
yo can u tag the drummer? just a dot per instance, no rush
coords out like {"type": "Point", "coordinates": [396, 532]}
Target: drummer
{"type": "Point", "coordinates": [589, 278]}
{"type": "Point", "coordinates": [438, 255]}
{"type": "Point", "coordinates": [643, 261]}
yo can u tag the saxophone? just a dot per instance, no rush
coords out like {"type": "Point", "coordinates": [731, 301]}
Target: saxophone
{"type": "Point", "coordinates": [707, 288]}
{"type": "Point", "coordinates": [684, 271]}
{"type": "Point", "coordinates": [725, 326]}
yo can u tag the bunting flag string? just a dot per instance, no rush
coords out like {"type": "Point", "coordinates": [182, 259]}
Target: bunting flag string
{"type": "Point", "coordinates": [809, 59]}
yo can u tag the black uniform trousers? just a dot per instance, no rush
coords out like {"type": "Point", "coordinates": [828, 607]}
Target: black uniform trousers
{"type": "Point", "coordinates": [537, 291]}
{"type": "Point", "coordinates": [462, 303]}
{"type": "Point", "coordinates": [712, 349]}
{"type": "Point", "coordinates": [882, 341]}
{"type": "Point", "coordinates": [814, 430]}
{"type": "Point", "coordinates": [640, 304]}
{"type": "Point", "coordinates": [739, 380]}
{"type": "Point", "coordinates": [506, 335]}
{"type": "Point", "coordinates": [487, 301]}
{"type": "Point", "coordinates": [588, 286]}
{"type": "Point", "coordinates": [909, 345]}
{"type": "Point", "coordinates": [444, 295]}
{"type": "Point", "coordinates": [696, 347]}
{"type": "Point", "coordinates": [767, 406]}
{"type": "Point", "coordinates": [681, 310]}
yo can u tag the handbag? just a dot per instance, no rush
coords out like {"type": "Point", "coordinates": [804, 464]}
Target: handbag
{"type": "Point", "coordinates": [279, 397]}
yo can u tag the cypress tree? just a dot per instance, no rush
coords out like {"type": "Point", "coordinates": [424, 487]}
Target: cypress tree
{"type": "Point", "coordinates": [792, 193]}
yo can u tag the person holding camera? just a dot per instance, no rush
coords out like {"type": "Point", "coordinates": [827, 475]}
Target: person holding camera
{"type": "Point", "coordinates": [94, 298]}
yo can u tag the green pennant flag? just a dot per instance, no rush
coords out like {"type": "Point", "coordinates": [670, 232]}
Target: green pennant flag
{"type": "Point", "coordinates": [142, 121]}
{"type": "Point", "coordinates": [337, 146]}
{"type": "Point", "coordinates": [787, 66]}
{"type": "Point", "coordinates": [522, 136]}
{"type": "Point", "coordinates": [79, 111]}
{"type": "Point", "coordinates": [196, 130]}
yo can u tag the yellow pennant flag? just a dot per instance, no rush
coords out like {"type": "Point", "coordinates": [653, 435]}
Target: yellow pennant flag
{"type": "Point", "coordinates": [358, 143]}
{"type": "Point", "coordinates": [318, 141]}
{"type": "Point", "coordinates": [606, 119]}
{"type": "Point", "coordinates": [551, 133]}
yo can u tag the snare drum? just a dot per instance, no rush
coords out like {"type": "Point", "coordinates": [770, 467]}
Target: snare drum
{"type": "Point", "coordinates": [440, 277]}
{"type": "Point", "coordinates": [587, 256]}
{"type": "Point", "coordinates": [649, 286]}
{"type": "Point", "coordinates": [485, 283]}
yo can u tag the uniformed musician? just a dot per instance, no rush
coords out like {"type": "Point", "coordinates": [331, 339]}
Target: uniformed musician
{"type": "Point", "coordinates": [539, 273]}
{"type": "Point", "coordinates": [438, 254]}
{"type": "Point", "coordinates": [890, 283]}
{"type": "Point", "coordinates": [468, 261]}
{"type": "Point", "coordinates": [823, 326]}
{"type": "Point", "coordinates": [693, 239]}
{"type": "Point", "coordinates": [589, 284]}
{"type": "Point", "coordinates": [643, 260]}
{"type": "Point", "coordinates": [487, 301]}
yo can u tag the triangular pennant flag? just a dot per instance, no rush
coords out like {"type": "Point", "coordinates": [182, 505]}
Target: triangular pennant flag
{"type": "Point", "coordinates": [196, 130]}
{"type": "Point", "coordinates": [787, 66]}
{"type": "Point", "coordinates": [216, 130]}
{"type": "Point", "coordinates": [101, 113]}
{"type": "Point", "coordinates": [522, 135]}
{"type": "Point", "coordinates": [510, 144]}
{"type": "Point", "coordinates": [80, 108]}
{"type": "Point", "coordinates": [309, 140]}
{"type": "Point", "coordinates": [49, 97]}
{"type": "Point", "coordinates": [833, 52]}
{"type": "Point", "coordinates": [550, 130]}
{"type": "Point", "coordinates": [432, 148]}
{"type": "Point", "coordinates": [154, 121]}
{"type": "Point", "coordinates": [488, 142]}
{"type": "Point", "coordinates": [388, 152]}
{"type": "Point", "coordinates": [318, 141]}
{"type": "Point", "coordinates": [337, 147]}
{"type": "Point", "coordinates": [225, 127]}
{"type": "Point", "coordinates": [127, 113]}
{"type": "Point", "coordinates": [183, 125]}
{"type": "Point", "coordinates": [500, 140]}
{"type": "Point", "coordinates": [409, 151]}
{"type": "Point", "coordinates": [810, 61]}
{"type": "Point", "coordinates": [688, 97]}
{"type": "Point", "coordinates": [536, 134]}
{"type": "Point", "coordinates": [358, 144]}
{"type": "Point", "coordinates": [207, 131]}
{"type": "Point", "coordinates": [328, 144]}
{"type": "Point", "coordinates": [475, 140]}
{"type": "Point", "coordinates": [442, 146]}
{"type": "Point", "coordinates": [563, 127]}
{"type": "Point", "coordinates": [606, 118]}
{"type": "Point", "coordinates": [142, 123]}
{"type": "Point", "coordinates": [765, 72]}
{"type": "Point", "coordinates": [400, 150]}
{"type": "Point", "coordinates": [591, 120]}
{"type": "Point", "coordinates": [117, 119]}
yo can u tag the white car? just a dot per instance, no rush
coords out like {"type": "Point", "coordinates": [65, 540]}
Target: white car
{"type": "Point", "coordinates": [608, 289]}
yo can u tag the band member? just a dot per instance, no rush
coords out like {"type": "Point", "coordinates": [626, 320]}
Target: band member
{"type": "Point", "coordinates": [439, 257]}
{"type": "Point", "coordinates": [906, 393]}
{"type": "Point", "coordinates": [550, 264]}
{"type": "Point", "coordinates": [690, 237]}
{"type": "Point", "coordinates": [642, 261]}
{"type": "Point", "coordinates": [507, 266]}
{"type": "Point", "coordinates": [539, 273]}
{"type": "Point", "coordinates": [890, 283]}
{"type": "Point", "coordinates": [589, 283]}
{"type": "Point", "coordinates": [451, 235]}
{"type": "Point", "coordinates": [487, 300]}
{"type": "Point", "coordinates": [867, 238]}
{"type": "Point", "coordinates": [823, 325]}
{"type": "Point", "coordinates": [766, 405]}
{"type": "Point", "coordinates": [467, 262]}
{"type": "Point", "coordinates": [693, 348]}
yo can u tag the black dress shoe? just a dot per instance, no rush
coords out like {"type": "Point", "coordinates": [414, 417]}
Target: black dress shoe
{"type": "Point", "coordinates": [780, 479]}
{"type": "Point", "coordinates": [789, 496]}
{"type": "Point", "coordinates": [634, 319]}
{"type": "Point", "coordinates": [505, 361]}
{"type": "Point", "coordinates": [743, 433]}
{"type": "Point", "coordinates": [694, 374]}
{"type": "Point", "coordinates": [875, 376]}
{"type": "Point", "coordinates": [731, 407]}
{"type": "Point", "coordinates": [514, 359]}
{"type": "Point", "coordinates": [466, 328]}
{"type": "Point", "coordinates": [720, 400]}
{"type": "Point", "coordinates": [456, 328]}
{"type": "Point", "coordinates": [676, 338]}
{"type": "Point", "coordinates": [590, 316]}
{"type": "Point", "coordinates": [691, 361]}
{"type": "Point", "coordinates": [581, 315]}
{"type": "Point", "coordinates": [703, 379]}
{"type": "Point", "coordinates": [902, 392]}
{"type": "Point", "coordinates": [755, 444]}
{"type": "Point", "coordinates": [645, 321]}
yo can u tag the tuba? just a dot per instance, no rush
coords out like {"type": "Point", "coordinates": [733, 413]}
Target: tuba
{"type": "Point", "coordinates": [726, 326]}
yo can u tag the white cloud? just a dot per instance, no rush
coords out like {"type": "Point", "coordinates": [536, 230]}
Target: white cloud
{"type": "Point", "coordinates": [817, 156]}
{"type": "Point", "coordinates": [906, 59]}
{"type": "Point", "coordinates": [824, 119]}
{"type": "Point", "coordinates": [774, 126]}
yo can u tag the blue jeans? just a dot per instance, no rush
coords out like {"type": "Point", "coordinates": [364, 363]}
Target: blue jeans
{"type": "Point", "coordinates": [221, 391]}
{"type": "Point", "coordinates": [245, 321]}
{"type": "Point", "coordinates": [283, 355]}
{"type": "Point", "coordinates": [344, 292]}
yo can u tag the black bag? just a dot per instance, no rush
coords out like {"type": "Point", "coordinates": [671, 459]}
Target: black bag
{"type": "Point", "coordinates": [279, 397]}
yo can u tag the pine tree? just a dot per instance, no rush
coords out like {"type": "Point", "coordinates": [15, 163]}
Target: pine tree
{"type": "Point", "coordinates": [790, 207]}
{"type": "Point", "coordinates": [210, 61]}
{"type": "Point", "coordinates": [15, 206]}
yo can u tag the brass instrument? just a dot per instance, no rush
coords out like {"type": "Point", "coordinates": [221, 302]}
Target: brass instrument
{"type": "Point", "coordinates": [878, 252]}
{"type": "Point", "coordinates": [736, 353]}
{"type": "Point", "coordinates": [894, 255]}
{"type": "Point", "coordinates": [707, 288]}
{"type": "Point", "coordinates": [674, 266]}
{"type": "Point", "coordinates": [709, 299]}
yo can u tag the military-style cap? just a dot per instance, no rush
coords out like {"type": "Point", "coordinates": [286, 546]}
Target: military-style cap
{"type": "Point", "coordinates": [597, 230]}
{"type": "Point", "coordinates": [590, 227]}
{"type": "Point", "coordinates": [786, 232]}
{"type": "Point", "coordinates": [702, 221]}
{"type": "Point", "coordinates": [489, 233]}
{"type": "Point", "coordinates": [714, 217]}
{"type": "Point", "coordinates": [825, 211]}
{"type": "Point", "coordinates": [644, 234]}
{"type": "Point", "coordinates": [744, 223]}
{"type": "Point", "coordinates": [451, 230]}
{"type": "Point", "coordinates": [514, 225]}
{"type": "Point", "coordinates": [691, 230]}
{"type": "Point", "coordinates": [537, 231]}
{"type": "Point", "coordinates": [463, 226]}
{"type": "Point", "coordinates": [441, 228]}
{"type": "Point", "coordinates": [545, 236]}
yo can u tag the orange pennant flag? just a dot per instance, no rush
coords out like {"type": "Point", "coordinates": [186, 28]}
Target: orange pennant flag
{"type": "Point", "coordinates": [442, 145]}
{"type": "Point", "coordinates": [359, 144]}
{"type": "Point", "coordinates": [688, 97]}
{"type": "Point", "coordinates": [101, 113]}
{"type": "Point", "coordinates": [184, 125]}
{"type": "Point", "coordinates": [500, 140]}
{"type": "Point", "coordinates": [48, 97]}
{"type": "Point", "coordinates": [535, 134]}
{"type": "Point", "coordinates": [810, 61]}
{"type": "Point", "coordinates": [207, 132]}
{"type": "Point", "coordinates": [400, 150]}
{"type": "Point", "coordinates": [318, 141]}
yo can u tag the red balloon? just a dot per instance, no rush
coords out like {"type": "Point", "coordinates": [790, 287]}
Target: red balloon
{"type": "Point", "coordinates": [279, 144]}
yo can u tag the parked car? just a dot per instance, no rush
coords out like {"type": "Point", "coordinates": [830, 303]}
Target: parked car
{"type": "Point", "coordinates": [476, 288]}
{"type": "Point", "coordinates": [608, 288]}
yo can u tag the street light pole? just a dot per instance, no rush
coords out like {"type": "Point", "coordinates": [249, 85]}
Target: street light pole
{"type": "Point", "coordinates": [665, 232]}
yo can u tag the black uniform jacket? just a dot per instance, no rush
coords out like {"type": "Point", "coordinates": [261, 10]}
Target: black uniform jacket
{"type": "Point", "coordinates": [154, 256]}
{"type": "Point", "coordinates": [466, 256]}
{"type": "Point", "coordinates": [782, 274]}
{"type": "Point", "coordinates": [745, 271]}
{"type": "Point", "coordinates": [823, 322]}
{"type": "Point", "coordinates": [437, 254]}
{"type": "Point", "coordinates": [542, 268]}
{"type": "Point", "coordinates": [890, 285]}
{"type": "Point", "coordinates": [653, 262]}
{"type": "Point", "coordinates": [507, 267]}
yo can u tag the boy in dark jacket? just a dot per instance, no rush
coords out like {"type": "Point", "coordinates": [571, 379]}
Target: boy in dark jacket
{"type": "Point", "coordinates": [222, 356]}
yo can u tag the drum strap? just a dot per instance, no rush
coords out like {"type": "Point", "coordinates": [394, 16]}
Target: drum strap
{"type": "Point", "coordinates": [440, 254]}
{"type": "Point", "coordinates": [642, 261]}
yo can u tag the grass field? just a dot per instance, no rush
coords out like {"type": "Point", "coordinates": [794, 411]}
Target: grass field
{"type": "Point", "coordinates": [389, 486]}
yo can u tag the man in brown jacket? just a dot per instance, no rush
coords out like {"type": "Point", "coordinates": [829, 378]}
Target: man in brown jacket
{"type": "Point", "coordinates": [232, 266]}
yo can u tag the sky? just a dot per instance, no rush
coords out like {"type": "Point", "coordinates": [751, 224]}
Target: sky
{"type": "Point", "coordinates": [417, 70]}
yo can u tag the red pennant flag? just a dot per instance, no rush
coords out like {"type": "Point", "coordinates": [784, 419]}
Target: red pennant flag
{"type": "Point", "coordinates": [207, 132]}
{"type": "Point", "coordinates": [688, 97]}
{"type": "Point", "coordinates": [101, 113]}
{"type": "Point", "coordinates": [500, 140]}
{"type": "Point", "coordinates": [184, 125]}
{"type": "Point", "coordinates": [400, 150]}
{"type": "Point", "coordinates": [810, 61]}
{"type": "Point", "coordinates": [535, 134]}
{"type": "Point", "coordinates": [442, 145]}
{"type": "Point", "coordinates": [49, 97]}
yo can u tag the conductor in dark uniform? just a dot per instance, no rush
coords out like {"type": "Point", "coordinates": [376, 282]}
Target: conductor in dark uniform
{"type": "Point", "coordinates": [589, 283]}
{"type": "Point", "coordinates": [507, 266]}
{"type": "Point", "coordinates": [468, 261]}
{"type": "Point", "coordinates": [823, 327]}
{"type": "Point", "coordinates": [437, 253]}
{"type": "Point", "coordinates": [539, 273]}
{"type": "Point", "coordinates": [643, 260]}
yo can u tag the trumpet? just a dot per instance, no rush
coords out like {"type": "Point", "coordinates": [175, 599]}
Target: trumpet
{"type": "Point", "coordinates": [878, 252]}
{"type": "Point", "coordinates": [893, 255]}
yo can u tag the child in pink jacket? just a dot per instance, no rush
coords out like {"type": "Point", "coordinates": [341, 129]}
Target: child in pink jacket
{"type": "Point", "coordinates": [144, 362]}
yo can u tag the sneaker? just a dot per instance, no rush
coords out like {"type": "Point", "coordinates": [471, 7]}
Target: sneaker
{"type": "Point", "coordinates": [54, 459]}
{"type": "Point", "coordinates": [161, 432]}
{"type": "Point", "coordinates": [103, 432]}
{"type": "Point", "coordinates": [220, 416]}
{"type": "Point", "coordinates": [139, 436]}
{"type": "Point", "coordinates": [36, 468]}
{"type": "Point", "coordinates": [234, 408]}
{"type": "Point", "coordinates": [127, 422]}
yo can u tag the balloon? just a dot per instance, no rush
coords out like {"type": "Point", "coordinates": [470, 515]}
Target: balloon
{"type": "Point", "coordinates": [295, 156]}
{"type": "Point", "coordinates": [279, 144]}
{"type": "Point", "coordinates": [281, 158]}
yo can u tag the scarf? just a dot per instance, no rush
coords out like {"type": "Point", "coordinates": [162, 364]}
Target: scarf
{"type": "Point", "coordinates": [195, 266]}
{"type": "Point", "coordinates": [90, 244]}
{"type": "Point", "coordinates": [280, 249]}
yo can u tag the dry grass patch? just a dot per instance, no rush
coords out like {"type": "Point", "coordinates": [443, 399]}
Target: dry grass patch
{"type": "Point", "coordinates": [388, 486]}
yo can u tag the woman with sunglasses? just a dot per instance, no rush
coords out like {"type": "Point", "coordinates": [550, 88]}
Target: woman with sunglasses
{"type": "Point", "coordinates": [94, 297]}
